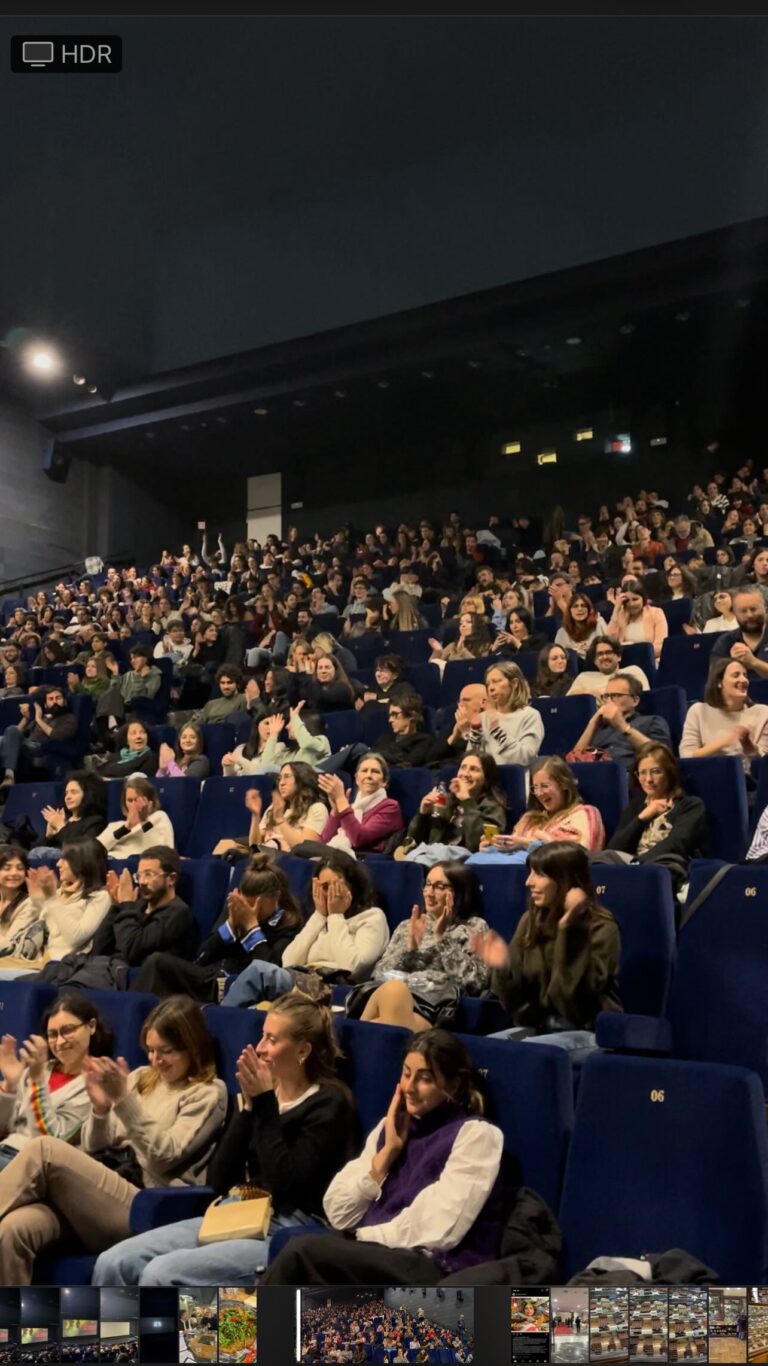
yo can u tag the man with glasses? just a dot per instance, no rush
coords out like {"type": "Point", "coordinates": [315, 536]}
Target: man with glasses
{"type": "Point", "coordinates": [616, 728]}
{"type": "Point", "coordinates": [149, 917]}
{"type": "Point", "coordinates": [604, 662]}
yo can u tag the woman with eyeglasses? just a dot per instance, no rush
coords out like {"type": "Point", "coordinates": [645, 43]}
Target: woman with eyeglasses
{"type": "Point", "coordinates": [661, 823]}
{"type": "Point", "coordinates": [157, 1124]}
{"type": "Point", "coordinates": [431, 947]}
{"type": "Point", "coordinates": [43, 1083]}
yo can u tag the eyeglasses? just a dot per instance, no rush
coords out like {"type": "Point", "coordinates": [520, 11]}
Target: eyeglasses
{"type": "Point", "coordinates": [65, 1032]}
{"type": "Point", "coordinates": [615, 696]}
{"type": "Point", "coordinates": [437, 886]}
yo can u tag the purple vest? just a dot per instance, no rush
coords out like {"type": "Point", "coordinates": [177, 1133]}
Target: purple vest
{"type": "Point", "coordinates": [430, 1143]}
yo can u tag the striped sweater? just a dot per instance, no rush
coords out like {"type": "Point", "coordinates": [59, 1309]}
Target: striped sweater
{"type": "Point", "coordinates": [34, 1111]}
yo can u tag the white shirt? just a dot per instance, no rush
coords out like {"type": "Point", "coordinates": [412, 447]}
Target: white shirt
{"type": "Point", "coordinates": [441, 1214]}
{"type": "Point", "coordinates": [138, 839]}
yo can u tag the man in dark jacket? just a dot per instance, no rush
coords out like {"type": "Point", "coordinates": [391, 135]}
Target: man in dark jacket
{"type": "Point", "coordinates": [150, 916]}
{"type": "Point", "coordinates": [53, 720]}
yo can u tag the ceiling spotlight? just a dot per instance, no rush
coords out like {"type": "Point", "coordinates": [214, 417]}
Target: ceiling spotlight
{"type": "Point", "coordinates": [627, 329]}
{"type": "Point", "coordinates": [584, 434]}
{"type": "Point", "coordinates": [150, 436]}
{"type": "Point", "coordinates": [222, 421]}
{"type": "Point", "coordinates": [511, 448]}
{"type": "Point", "coordinates": [42, 360]}
{"type": "Point", "coordinates": [546, 457]}
{"type": "Point", "coordinates": [683, 316]}
{"type": "Point", "coordinates": [427, 374]}
{"type": "Point", "coordinates": [573, 341]}
{"type": "Point", "coordinates": [78, 379]}
{"type": "Point", "coordinates": [299, 403]}
{"type": "Point", "coordinates": [658, 441]}
{"type": "Point", "coordinates": [93, 388]}
{"type": "Point", "coordinates": [473, 364]}
{"type": "Point", "coordinates": [261, 412]}
{"type": "Point", "coordinates": [339, 393]}
{"type": "Point", "coordinates": [382, 384]}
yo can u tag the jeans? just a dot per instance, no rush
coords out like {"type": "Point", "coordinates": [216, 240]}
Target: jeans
{"type": "Point", "coordinates": [258, 982]}
{"type": "Point", "coordinates": [171, 1256]}
{"type": "Point", "coordinates": [12, 742]}
{"type": "Point", "coordinates": [578, 1043]}
{"type": "Point", "coordinates": [43, 854]}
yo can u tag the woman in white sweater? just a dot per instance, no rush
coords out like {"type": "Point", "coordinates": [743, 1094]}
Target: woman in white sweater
{"type": "Point", "coordinates": [165, 1117]}
{"type": "Point", "coordinates": [144, 826]}
{"type": "Point", "coordinates": [43, 1084]}
{"type": "Point", "coordinates": [342, 939]}
{"type": "Point", "coordinates": [70, 908]}
{"type": "Point", "coordinates": [726, 722]}
{"type": "Point", "coordinates": [510, 730]}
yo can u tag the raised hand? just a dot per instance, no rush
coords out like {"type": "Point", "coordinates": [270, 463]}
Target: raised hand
{"type": "Point", "coordinates": [575, 903]}
{"type": "Point", "coordinates": [490, 948]}
{"type": "Point", "coordinates": [254, 1076]}
{"type": "Point", "coordinates": [253, 802]}
{"type": "Point", "coordinates": [320, 896]}
{"type": "Point", "coordinates": [11, 1065]}
{"type": "Point", "coordinates": [331, 785]}
{"type": "Point", "coordinates": [166, 755]}
{"type": "Point", "coordinates": [34, 1053]}
{"type": "Point", "coordinates": [126, 888]}
{"type": "Point", "coordinates": [460, 788]}
{"type": "Point", "coordinates": [417, 927]}
{"type": "Point", "coordinates": [54, 817]}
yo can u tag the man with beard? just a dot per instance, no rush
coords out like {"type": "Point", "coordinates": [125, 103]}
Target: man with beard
{"type": "Point", "coordinates": [53, 720]}
{"type": "Point", "coordinates": [749, 645]}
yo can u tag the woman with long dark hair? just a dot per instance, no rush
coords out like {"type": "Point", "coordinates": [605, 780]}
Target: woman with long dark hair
{"type": "Point", "coordinates": [17, 909]}
{"type": "Point", "coordinates": [582, 624]}
{"type": "Point", "coordinates": [83, 816]}
{"type": "Point", "coordinates": [458, 819]}
{"type": "Point", "coordinates": [424, 1198]}
{"type": "Point", "coordinates": [561, 968]}
{"type": "Point", "coordinates": [294, 1129]}
{"type": "Point", "coordinates": [552, 676]}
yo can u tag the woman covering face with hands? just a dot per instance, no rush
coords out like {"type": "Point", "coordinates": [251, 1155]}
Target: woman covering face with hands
{"type": "Point", "coordinates": [423, 1199]}
{"type": "Point", "coordinates": [293, 1130]}
{"type": "Point", "coordinates": [431, 948]}
{"type": "Point", "coordinates": [342, 938]}
{"type": "Point", "coordinates": [143, 824]}
{"type": "Point", "coordinates": [164, 1116]}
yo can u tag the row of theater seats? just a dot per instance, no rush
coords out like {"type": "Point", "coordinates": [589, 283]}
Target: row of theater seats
{"type": "Point", "coordinates": [684, 1142]}
{"type": "Point", "coordinates": [202, 814]}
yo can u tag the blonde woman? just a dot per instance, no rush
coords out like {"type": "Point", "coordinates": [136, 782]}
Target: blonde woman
{"type": "Point", "coordinates": [401, 612]}
{"type": "Point", "coordinates": [510, 729]}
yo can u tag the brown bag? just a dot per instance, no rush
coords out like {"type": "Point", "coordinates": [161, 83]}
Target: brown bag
{"type": "Point", "coordinates": [587, 756]}
{"type": "Point", "coordinates": [249, 1218]}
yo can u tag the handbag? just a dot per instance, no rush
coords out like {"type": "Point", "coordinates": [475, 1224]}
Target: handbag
{"type": "Point", "coordinates": [246, 1218]}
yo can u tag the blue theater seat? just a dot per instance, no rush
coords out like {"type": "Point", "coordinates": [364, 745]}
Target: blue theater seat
{"type": "Point", "coordinates": [670, 704]}
{"type": "Point", "coordinates": [232, 1029]}
{"type": "Point", "coordinates": [425, 680]}
{"type": "Point", "coordinates": [28, 799]}
{"type": "Point", "coordinates": [720, 783]}
{"type": "Point", "coordinates": [219, 738]}
{"type": "Point", "coordinates": [407, 786]}
{"type": "Point", "coordinates": [412, 646]}
{"type": "Point", "coordinates": [221, 813]}
{"type": "Point", "coordinates": [398, 885]}
{"type": "Point", "coordinates": [684, 663]}
{"type": "Point", "coordinates": [604, 786]}
{"type": "Point", "coordinates": [372, 1064]}
{"type": "Point", "coordinates": [458, 673]}
{"type": "Point", "coordinates": [678, 613]}
{"type": "Point", "coordinates": [668, 1154]}
{"type": "Point", "coordinates": [564, 720]}
{"type": "Point", "coordinates": [641, 655]}
{"type": "Point", "coordinates": [343, 728]}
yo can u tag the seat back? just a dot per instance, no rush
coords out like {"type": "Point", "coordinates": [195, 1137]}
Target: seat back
{"type": "Point", "coordinates": [179, 798]}
{"type": "Point", "coordinates": [564, 720]}
{"type": "Point", "coordinates": [371, 1065]}
{"type": "Point", "coordinates": [425, 680]}
{"type": "Point", "coordinates": [718, 1006]}
{"type": "Point", "coordinates": [28, 799]}
{"type": "Point", "coordinates": [686, 1146]}
{"type": "Point", "coordinates": [221, 812]}
{"type": "Point", "coordinates": [219, 738]}
{"type": "Point", "coordinates": [457, 674]}
{"type": "Point", "coordinates": [407, 786]}
{"type": "Point", "coordinates": [670, 704]}
{"type": "Point", "coordinates": [641, 901]}
{"type": "Point", "coordinates": [537, 1134]}
{"type": "Point", "coordinates": [232, 1030]}
{"type": "Point", "coordinates": [685, 663]}
{"type": "Point", "coordinates": [375, 723]}
{"type": "Point", "coordinates": [412, 646]}
{"type": "Point", "coordinates": [720, 783]}
{"type": "Point", "coordinates": [678, 613]}
{"type": "Point", "coordinates": [604, 786]}
{"type": "Point", "coordinates": [399, 886]}
{"type": "Point", "coordinates": [343, 728]}
{"type": "Point", "coordinates": [640, 653]}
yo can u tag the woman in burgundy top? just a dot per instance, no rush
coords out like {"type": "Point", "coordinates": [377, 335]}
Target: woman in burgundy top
{"type": "Point", "coordinates": [368, 822]}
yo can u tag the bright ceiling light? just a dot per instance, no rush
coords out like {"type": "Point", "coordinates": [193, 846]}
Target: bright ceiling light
{"type": "Point", "coordinates": [42, 360]}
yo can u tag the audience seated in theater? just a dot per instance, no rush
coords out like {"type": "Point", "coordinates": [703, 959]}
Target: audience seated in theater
{"type": "Point", "coordinates": [82, 817]}
{"type": "Point", "coordinates": [509, 729]}
{"type": "Point", "coordinates": [323, 643]}
{"type": "Point", "coordinates": [143, 679]}
{"type": "Point", "coordinates": [135, 752]}
{"type": "Point", "coordinates": [520, 634]}
{"type": "Point", "coordinates": [69, 907]}
{"type": "Point", "coordinates": [724, 618]}
{"type": "Point", "coordinates": [748, 644]}
{"type": "Point", "coordinates": [344, 935]}
{"type": "Point", "coordinates": [616, 728]}
{"type": "Point", "coordinates": [552, 676]}
{"type": "Point", "coordinates": [726, 722]}
{"type": "Point", "coordinates": [43, 1086]}
{"type": "Point", "coordinates": [264, 752]}
{"type": "Point", "coordinates": [661, 823]}
{"type": "Point", "coordinates": [604, 660]}
{"type": "Point", "coordinates": [452, 740]}
{"type": "Point", "coordinates": [433, 1125]}
{"type": "Point", "coordinates": [405, 743]}
{"type": "Point", "coordinates": [561, 968]}
{"type": "Point", "coordinates": [367, 822]}
{"type": "Point", "coordinates": [582, 625]}
{"type": "Point", "coordinates": [95, 681]}
{"type": "Point", "coordinates": [167, 1113]}
{"type": "Point", "coordinates": [296, 813]}
{"type": "Point", "coordinates": [635, 620]}
{"type": "Point", "coordinates": [14, 681]}
{"type": "Point", "coordinates": [185, 759]}
{"type": "Point", "coordinates": [431, 947]}
{"type": "Point", "coordinates": [147, 915]}
{"type": "Point", "coordinates": [555, 812]}
{"type": "Point", "coordinates": [17, 909]}
{"type": "Point", "coordinates": [401, 611]}
{"type": "Point", "coordinates": [257, 924]}
{"type": "Point", "coordinates": [328, 689]}
{"type": "Point", "coordinates": [453, 821]}
{"type": "Point", "coordinates": [296, 1126]}
{"type": "Point", "coordinates": [144, 824]}
{"type": "Point", "coordinates": [53, 720]}
{"type": "Point", "coordinates": [472, 642]}
{"type": "Point", "coordinates": [229, 681]}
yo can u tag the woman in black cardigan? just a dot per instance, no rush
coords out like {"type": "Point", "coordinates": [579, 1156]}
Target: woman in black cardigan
{"type": "Point", "coordinates": [258, 922]}
{"type": "Point", "coordinates": [661, 824]}
{"type": "Point", "coordinates": [295, 1129]}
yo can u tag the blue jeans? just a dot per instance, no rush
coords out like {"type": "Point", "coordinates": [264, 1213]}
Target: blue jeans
{"type": "Point", "coordinates": [578, 1043]}
{"type": "Point", "coordinates": [12, 742]}
{"type": "Point", "coordinates": [258, 982]}
{"type": "Point", "coordinates": [171, 1256]}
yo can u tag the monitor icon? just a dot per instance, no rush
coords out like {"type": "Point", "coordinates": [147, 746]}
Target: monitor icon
{"type": "Point", "coordinates": [37, 54]}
